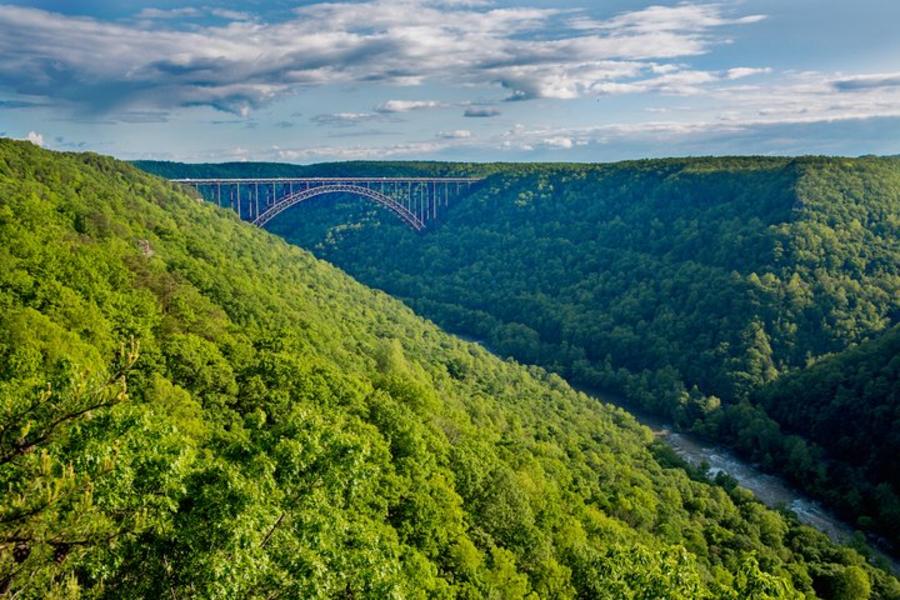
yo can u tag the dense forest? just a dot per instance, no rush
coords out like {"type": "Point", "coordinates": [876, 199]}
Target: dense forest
{"type": "Point", "coordinates": [690, 285]}
{"type": "Point", "coordinates": [192, 407]}
{"type": "Point", "coordinates": [850, 404]}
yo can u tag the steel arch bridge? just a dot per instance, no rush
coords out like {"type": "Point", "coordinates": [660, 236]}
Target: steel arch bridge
{"type": "Point", "coordinates": [417, 201]}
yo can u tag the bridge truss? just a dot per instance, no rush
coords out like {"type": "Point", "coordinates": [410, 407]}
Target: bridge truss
{"type": "Point", "coordinates": [417, 201]}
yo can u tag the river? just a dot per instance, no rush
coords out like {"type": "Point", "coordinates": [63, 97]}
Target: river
{"type": "Point", "coordinates": [769, 489]}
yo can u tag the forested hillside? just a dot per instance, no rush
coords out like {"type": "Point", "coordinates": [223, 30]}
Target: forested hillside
{"type": "Point", "coordinates": [687, 284]}
{"type": "Point", "coordinates": [191, 407]}
{"type": "Point", "coordinates": [849, 403]}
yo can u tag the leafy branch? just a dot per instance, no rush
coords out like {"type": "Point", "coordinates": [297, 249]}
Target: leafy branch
{"type": "Point", "coordinates": [109, 393]}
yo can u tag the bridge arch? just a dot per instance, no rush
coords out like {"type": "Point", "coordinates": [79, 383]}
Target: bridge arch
{"type": "Point", "coordinates": [287, 202]}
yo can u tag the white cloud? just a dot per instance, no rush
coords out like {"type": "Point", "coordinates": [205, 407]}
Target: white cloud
{"type": "Point", "coordinates": [467, 3]}
{"type": "Point", "coordinates": [684, 17]}
{"type": "Point", "coordinates": [360, 152]}
{"type": "Point", "coordinates": [401, 106]}
{"type": "Point", "coordinates": [231, 15]}
{"type": "Point", "coordinates": [343, 119]}
{"type": "Point", "coordinates": [675, 81]}
{"type": "Point", "coordinates": [189, 12]}
{"type": "Point", "coordinates": [35, 138]}
{"type": "Point", "coordinates": [171, 13]}
{"type": "Point", "coordinates": [740, 72]}
{"type": "Point", "coordinates": [562, 142]}
{"type": "Point", "coordinates": [561, 82]}
{"type": "Point", "coordinates": [457, 134]}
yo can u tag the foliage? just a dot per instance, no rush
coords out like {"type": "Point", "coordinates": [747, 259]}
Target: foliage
{"type": "Point", "coordinates": [689, 285]}
{"type": "Point", "coordinates": [191, 407]}
{"type": "Point", "coordinates": [850, 404]}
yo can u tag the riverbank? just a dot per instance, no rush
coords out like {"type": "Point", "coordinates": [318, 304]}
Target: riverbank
{"type": "Point", "coordinates": [771, 490]}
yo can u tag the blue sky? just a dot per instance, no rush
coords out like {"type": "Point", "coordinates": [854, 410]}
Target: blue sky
{"type": "Point", "coordinates": [451, 79]}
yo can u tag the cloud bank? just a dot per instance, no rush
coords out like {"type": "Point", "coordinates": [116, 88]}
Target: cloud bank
{"type": "Point", "coordinates": [236, 63]}
{"type": "Point", "coordinates": [437, 61]}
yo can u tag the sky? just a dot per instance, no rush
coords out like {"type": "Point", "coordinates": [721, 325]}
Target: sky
{"type": "Point", "coordinates": [473, 80]}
